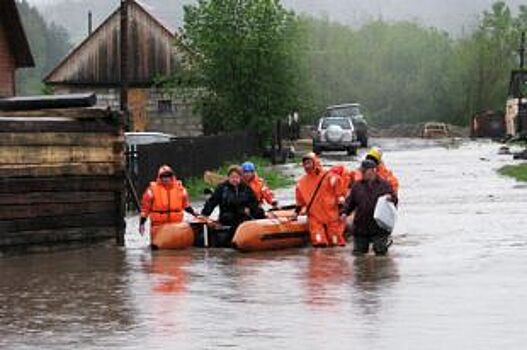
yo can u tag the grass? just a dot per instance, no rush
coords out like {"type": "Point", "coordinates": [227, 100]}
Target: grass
{"type": "Point", "coordinates": [274, 179]}
{"type": "Point", "coordinates": [519, 172]}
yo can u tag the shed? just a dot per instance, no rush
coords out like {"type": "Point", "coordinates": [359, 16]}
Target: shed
{"type": "Point", "coordinates": [95, 65]}
{"type": "Point", "coordinates": [14, 47]}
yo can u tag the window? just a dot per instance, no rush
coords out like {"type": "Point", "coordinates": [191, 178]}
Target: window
{"type": "Point", "coordinates": [164, 106]}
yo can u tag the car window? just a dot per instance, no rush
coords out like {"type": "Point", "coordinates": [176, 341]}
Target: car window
{"type": "Point", "coordinates": [342, 122]}
{"type": "Point", "coordinates": [344, 112]}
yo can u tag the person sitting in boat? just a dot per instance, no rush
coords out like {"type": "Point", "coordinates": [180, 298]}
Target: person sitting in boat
{"type": "Point", "coordinates": [362, 200]}
{"type": "Point", "coordinates": [261, 191]}
{"type": "Point", "coordinates": [236, 200]}
{"type": "Point", "coordinates": [319, 194]}
{"type": "Point", "coordinates": [164, 201]}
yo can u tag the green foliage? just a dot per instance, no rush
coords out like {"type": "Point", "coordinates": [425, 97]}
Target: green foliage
{"type": "Point", "coordinates": [519, 172]}
{"type": "Point", "coordinates": [255, 62]}
{"type": "Point", "coordinates": [49, 44]}
{"type": "Point", "coordinates": [405, 72]}
{"type": "Point", "coordinates": [246, 62]}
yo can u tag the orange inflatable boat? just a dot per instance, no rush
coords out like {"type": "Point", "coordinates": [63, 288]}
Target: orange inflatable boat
{"type": "Point", "coordinates": [174, 236]}
{"type": "Point", "coordinates": [271, 234]}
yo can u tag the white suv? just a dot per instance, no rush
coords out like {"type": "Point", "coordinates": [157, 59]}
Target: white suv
{"type": "Point", "coordinates": [335, 134]}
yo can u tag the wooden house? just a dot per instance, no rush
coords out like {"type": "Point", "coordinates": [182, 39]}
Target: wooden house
{"type": "Point", "coordinates": [96, 65]}
{"type": "Point", "coordinates": [14, 48]}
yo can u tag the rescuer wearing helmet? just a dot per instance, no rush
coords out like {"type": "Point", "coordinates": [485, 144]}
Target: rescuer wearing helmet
{"type": "Point", "coordinates": [375, 154]}
{"type": "Point", "coordinates": [261, 191]}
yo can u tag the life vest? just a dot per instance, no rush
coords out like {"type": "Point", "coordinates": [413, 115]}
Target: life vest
{"type": "Point", "coordinates": [261, 191]}
{"type": "Point", "coordinates": [168, 203]}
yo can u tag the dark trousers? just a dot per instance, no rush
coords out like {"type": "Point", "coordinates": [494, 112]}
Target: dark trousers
{"type": "Point", "coordinates": [380, 242]}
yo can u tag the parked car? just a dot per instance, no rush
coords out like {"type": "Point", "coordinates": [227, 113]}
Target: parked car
{"type": "Point", "coordinates": [335, 134]}
{"type": "Point", "coordinates": [435, 130]}
{"type": "Point", "coordinates": [353, 111]}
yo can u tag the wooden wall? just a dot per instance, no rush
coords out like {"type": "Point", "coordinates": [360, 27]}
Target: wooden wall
{"type": "Point", "coordinates": [7, 65]}
{"type": "Point", "coordinates": [61, 178]}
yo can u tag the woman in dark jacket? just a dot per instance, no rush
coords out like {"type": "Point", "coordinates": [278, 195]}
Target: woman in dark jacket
{"type": "Point", "coordinates": [236, 200]}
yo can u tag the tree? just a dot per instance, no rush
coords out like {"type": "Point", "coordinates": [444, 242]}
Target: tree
{"type": "Point", "coordinates": [49, 44]}
{"type": "Point", "coordinates": [246, 61]}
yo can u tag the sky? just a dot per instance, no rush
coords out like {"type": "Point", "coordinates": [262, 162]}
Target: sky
{"type": "Point", "coordinates": [455, 16]}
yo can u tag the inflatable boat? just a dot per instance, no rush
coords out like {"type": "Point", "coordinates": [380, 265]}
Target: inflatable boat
{"type": "Point", "coordinates": [271, 234]}
{"type": "Point", "coordinates": [276, 232]}
{"type": "Point", "coordinates": [174, 236]}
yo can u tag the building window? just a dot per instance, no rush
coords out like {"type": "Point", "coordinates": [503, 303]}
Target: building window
{"type": "Point", "coordinates": [164, 106]}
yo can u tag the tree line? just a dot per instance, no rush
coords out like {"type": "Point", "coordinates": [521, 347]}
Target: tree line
{"type": "Point", "coordinates": [49, 44]}
{"type": "Point", "coordinates": [257, 61]}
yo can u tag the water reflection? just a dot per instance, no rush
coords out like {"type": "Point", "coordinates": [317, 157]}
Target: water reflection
{"type": "Point", "coordinates": [373, 277]}
{"type": "Point", "coordinates": [327, 273]}
{"type": "Point", "coordinates": [167, 270]}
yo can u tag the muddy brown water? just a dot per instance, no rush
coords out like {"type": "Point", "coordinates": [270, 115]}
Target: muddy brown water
{"type": "Point", "coordinates": [456, 278]}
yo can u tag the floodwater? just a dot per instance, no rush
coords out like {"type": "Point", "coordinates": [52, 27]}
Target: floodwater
{"type": "Point", "coordinates": [456, 278]}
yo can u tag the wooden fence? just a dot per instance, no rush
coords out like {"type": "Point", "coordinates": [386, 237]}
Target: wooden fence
{"type": "Point", "coordinates": [191, 157]}
{"type": "Point", "coordinates": [61, 177]}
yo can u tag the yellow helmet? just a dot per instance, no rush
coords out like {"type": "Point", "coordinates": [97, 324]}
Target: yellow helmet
{"type": "Point", "coordinates": [375, 153]}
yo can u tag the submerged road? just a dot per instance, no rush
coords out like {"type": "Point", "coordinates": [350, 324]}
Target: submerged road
{"type": "Point", "coordinates": [455, 278]}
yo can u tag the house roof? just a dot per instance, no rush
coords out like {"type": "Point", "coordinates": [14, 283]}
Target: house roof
{"type": "Point", "coordinates": [96, 60]}
{"type": "Point", "coordinates": [10, 19]}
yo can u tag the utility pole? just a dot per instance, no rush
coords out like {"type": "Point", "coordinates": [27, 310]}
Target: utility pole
{"type": "Point", "coordinates": [521, 82]}
{"type": "Point", "coordinates": [124, 55]}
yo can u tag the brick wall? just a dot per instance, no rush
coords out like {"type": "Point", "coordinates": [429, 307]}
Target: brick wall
{"type": "Point", "coordinates": [7, 66]}
{"type": "Point", "coordinates": [165, 112]}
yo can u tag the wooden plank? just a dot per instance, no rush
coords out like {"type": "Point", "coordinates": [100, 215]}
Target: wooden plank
{"type": "Point", "coordinates": [55, 209]}
{"type": "Point", "coordinates": [61, 184]}
{"type": "Point", "coordinates": [58, 222]}
{"type": "Point", "coordinates": [62, 139]}
{"type": "Point", "coordinates": [55, 197]}
{"type": "Point", "coordinates": [56, 236]}
{"type": "Point", "coordinates": [32, 155]}
{"type": "Point", "coordinates": [48, 102]}
{"type": "Point", "coordinates": [34, 126]}
{"type": "Point", "coordinates": [72, 169]}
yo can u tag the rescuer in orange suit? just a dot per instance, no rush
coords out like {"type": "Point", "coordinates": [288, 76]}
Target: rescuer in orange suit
{"type": "Point", "coordinates": [375, 154]}
{"type": "Point", "coordinates": [321, 206]}
{"type": "Point", "coordinates": [261, 191]}
{"type": "Point", "coordinates": [164, 201]}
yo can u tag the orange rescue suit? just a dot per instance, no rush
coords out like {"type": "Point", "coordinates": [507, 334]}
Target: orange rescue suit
{"type": "Point", "coordinates": [164, 203]}
{"type": "Point", "coordinates": [325, 226]}
{"type": "Point", "coordinates": [261, 191]}
{"type": "Point", "coordinates": [384, 173]}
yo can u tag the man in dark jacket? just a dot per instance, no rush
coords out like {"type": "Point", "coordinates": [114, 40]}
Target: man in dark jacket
{"type": "Point", "coordinates": [363, 200]}
{"type": "Point", "coordinates": [236, 200]}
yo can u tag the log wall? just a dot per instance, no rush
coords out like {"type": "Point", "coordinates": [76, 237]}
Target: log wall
{"type": "Point", "coordinates": [61, 177]}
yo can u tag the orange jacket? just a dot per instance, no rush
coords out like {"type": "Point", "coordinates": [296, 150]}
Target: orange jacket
{"type": "Point", "coordinates": [324, 208]}
{"type": "Point", "coordinates": [387, 174]}
{"type": "Point", "coordinates": [384, 173]}
{"type": "Point", "coordinates": [164, 203]}
{"type": "Point", "coordinates": [261, 191]}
